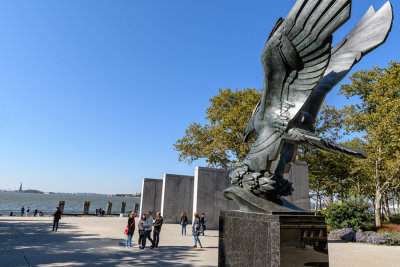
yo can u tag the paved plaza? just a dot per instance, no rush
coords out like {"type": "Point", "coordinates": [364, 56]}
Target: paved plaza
{"type": "Point", "coordinates": [99, 241]}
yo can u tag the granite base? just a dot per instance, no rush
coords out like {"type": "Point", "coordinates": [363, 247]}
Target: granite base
{"type": "Point", "coordinates": [259, 239]}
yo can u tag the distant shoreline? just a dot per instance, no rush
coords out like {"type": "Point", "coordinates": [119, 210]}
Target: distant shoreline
{"type": "Point", "coordinates": [34, 191]}
{"type": "Point", "coordinates": [67, 215]}
{"type": "Point", "coordinates": [73, 202]}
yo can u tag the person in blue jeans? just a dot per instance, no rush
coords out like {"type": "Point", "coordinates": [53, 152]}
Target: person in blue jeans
{"type": "Point", "coordinates": [141, 230]}
{"type": "Point", "coordinates": [196, 230]}
{"type": "Point", "coordinates": [56, 219]}
{"type": "Point", "coordinates": [184, 222]}
{"type": "Point", "coordinates": [131, 230]}
{"type": "Point", "coordinates": [157, 229]}
{"type": "Point", "coordinates": [148, 225]}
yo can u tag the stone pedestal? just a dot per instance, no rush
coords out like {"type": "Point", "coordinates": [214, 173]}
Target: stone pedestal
{"type": "Point", "coordinates": [86, 206]}
{"type": "Point", "coordinates": [123, 206]}
{"type": "Point", "coordinates": [136, 208]}
{"type": "Point", "coordinates": [150, 199]}
{"type": "Point", "coordinates": [259, 239]}
{"type": "Point", "coordinates": [207, 194]}
{"type": "Point", "coordinates": [177, 197]}
{"type": "Point", "coordinates": [109, 207]}
{"type": "Point", "coordinates": [61, 205]}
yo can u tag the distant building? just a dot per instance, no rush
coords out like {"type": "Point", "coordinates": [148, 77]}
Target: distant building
{"type": "Point", "coordinates": [20, 188]}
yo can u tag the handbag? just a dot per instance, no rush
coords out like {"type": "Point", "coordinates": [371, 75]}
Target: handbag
{"type": "Point", "coordinates": [126, 229]}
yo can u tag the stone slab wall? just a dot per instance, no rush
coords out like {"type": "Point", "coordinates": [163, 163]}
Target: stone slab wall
{"type": "Point", "coordinates": [298, 175]}
{"type": "Point", "coordinates": [207, 195]}
{"type": "Point", "coordinates": [177, 197]}
{"type": "Point", "coordinates": [151, 195]}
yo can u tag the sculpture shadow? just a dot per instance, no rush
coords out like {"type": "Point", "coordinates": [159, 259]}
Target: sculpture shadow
{"type": "Point", "coordinates": [24, 243]}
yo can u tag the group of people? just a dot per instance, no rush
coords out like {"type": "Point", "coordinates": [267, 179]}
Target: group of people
{"type": "Point", "coordinates": [147, 224]}
{"type": "Point", "coordinates": [184, 222]}
{"type": "Point", "coordinates": [145, 227]}
{"type": "Point", "coordinates": [100, 212]}
{"type": "Point", "coordinates": [37, 213]}
{"type": "Point", "coordinates": [24, 212]}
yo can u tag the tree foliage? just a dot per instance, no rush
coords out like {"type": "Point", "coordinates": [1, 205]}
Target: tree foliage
{"type": "Point", "coordinates": [220, 140]}
{"type": "Point", "coordinates": [328, 172]}
{"type": "Point", "coordinates": [377, 117]}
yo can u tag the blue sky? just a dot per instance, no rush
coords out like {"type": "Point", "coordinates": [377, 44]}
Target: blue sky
{"type": "Point", "coordinates": [93, 94]}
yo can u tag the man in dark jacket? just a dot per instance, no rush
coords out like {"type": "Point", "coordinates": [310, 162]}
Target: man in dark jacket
{"type": "Point", "coordinates": [157, 229]}
{"type": "Point", "coordinates": [202, 223]}
{"type": "Point", "coordinates": [57, 217]}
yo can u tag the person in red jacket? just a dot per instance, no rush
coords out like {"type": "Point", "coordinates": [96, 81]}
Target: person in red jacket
{"type": "Point", "coordinates": [131, 230]}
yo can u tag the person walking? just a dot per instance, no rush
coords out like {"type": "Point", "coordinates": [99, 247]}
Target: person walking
{"type": "Point", "coordinates": [184, 222]}
{"type": "Point", "coordinates": [203, 223]}
{"type": "Point", "coordinates": [27, 212]}
{"type": "Point", "coordinates": [157, 229]}
{"type": "Point", "coordinates": [196, 230]}
{"type": "Point", "coordinates": [131, 230]}
{"type": "Point", "coordinates": [148, 225]}
{"type": "Point", "coordinates": [141, 230]}
{"type": "Point", "coordinates": [22, 211]}
{"type": "Point", "coordinates": [57, 217]}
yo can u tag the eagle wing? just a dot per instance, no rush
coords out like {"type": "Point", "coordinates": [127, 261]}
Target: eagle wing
{"type": "Point", "coordinates": [294, 59]}
{"type": "Point", "coordinates": [369, 33]}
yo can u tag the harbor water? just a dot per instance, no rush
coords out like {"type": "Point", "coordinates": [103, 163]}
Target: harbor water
{"type": "Point", "coordinates": [47, 203]}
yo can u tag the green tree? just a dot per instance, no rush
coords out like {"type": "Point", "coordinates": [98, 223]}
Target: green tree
{"type": "Point", "coordinates": [377, 117]}
{"type": "Point", "coordinates": [328, 172]}
{"type": "Point", "coordinates": [351, 213]}
{"type": "Point", "coordinates": [220, 141]}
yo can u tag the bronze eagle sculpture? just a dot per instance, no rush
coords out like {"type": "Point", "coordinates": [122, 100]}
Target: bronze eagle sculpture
{"type": "Point", "coordinates": [300, 68]}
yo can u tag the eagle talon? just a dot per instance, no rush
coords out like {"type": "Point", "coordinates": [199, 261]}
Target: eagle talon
{"type": "Point", "coordinates": [262, 184]}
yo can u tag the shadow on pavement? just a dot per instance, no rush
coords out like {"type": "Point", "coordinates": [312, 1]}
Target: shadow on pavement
{"type": "Point", "coordinates": [24, 243]}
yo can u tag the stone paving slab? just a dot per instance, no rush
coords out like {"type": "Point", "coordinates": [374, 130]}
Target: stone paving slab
{"type": "Point", "coordinates": [99, 241]}
{"type": "Point", "coordinates": [96, 241]}
{"type": "Point", "coordinates": [343, 254]}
